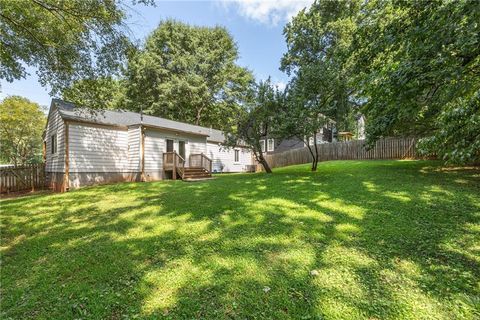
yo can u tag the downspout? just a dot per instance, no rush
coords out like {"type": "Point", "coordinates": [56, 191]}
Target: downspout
{"type": "Point", "coordinates": [142, 153]}
{"type": "Point", "coordinates": [142, 146]}
{"type": "Point", "coordinates": [66, 183]}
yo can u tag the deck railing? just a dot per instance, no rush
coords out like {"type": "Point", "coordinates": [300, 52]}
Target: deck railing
{"type": "Point", "coordinates": [175, 162]}
{"type": "Point", "coordinates": [201, 161]}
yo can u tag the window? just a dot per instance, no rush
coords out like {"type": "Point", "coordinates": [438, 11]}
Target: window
{"type": "Point", "coordinates": [262, 145]}
{"type": "Point", "coordinates": [237, 156]}
{"type": "Point", "coordinates": [53, 143]}
{"type": "Point", "coordinates": [270, 145]}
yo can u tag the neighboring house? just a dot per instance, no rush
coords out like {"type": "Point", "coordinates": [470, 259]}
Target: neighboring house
{"type": "Point", "coordinates": [361, 127]}
{"type": "Point", "coordinates": [84, 147]}
{"type": "Point", "coordinates": [271, 145]}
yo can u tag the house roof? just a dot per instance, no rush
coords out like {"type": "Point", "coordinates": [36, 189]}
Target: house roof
{"type": "Point", "coordinates": [71, 111]}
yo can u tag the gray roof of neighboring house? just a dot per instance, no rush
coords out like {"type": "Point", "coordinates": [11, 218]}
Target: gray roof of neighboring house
{"type": "Point", "coordinates": [70, 111]}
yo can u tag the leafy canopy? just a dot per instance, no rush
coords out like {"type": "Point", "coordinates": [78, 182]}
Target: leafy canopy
{"type": "Point", "coordinates": [257, 119]}
{"type": "Point", "coordinates": [412, 67]}
{"type": "Point", "coordinates": [188, 73]}
{"type": "Point", "coordinates": [21, 126]}
{"type": "Point", "coordinates": [99, 93]}
{"type": "Point", "coordinates": [65, 40]}
{"type": "Point", "coordinates": [318, 41]}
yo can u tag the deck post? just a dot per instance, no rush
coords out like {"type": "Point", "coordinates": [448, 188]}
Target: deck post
{"type": "Point", "coordinates": [174, 171]}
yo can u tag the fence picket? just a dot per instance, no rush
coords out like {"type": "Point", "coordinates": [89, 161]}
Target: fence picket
{"type": "Point", "coordinates": [387, 148]}
{"type": "Point", "coordinates": [28, 177]}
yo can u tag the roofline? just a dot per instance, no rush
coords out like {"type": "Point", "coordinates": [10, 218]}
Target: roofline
{"type": "Point", "coordinates": [169, 129]}
{"type": "Point", "coordinates": [79, 119]}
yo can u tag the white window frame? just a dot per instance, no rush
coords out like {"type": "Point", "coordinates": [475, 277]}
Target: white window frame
{"type": "Point", "coordinates": [311, 141]}
{"type": "Point", "coordinates": [272, 146]}
{"type": "Point", "coordinates": [235, 153]}
{"type": "Point", "coordinates": [262, 145]}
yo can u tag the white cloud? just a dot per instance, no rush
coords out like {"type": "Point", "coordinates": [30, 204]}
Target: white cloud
{"type": "Point", "coordinates": [270, 12]}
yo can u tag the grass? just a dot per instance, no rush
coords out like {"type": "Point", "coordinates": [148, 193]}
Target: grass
{"type": "Point", "coordinates": [356, 240]}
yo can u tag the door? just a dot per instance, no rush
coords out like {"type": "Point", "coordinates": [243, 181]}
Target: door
{"type": "Point", "coordinates": [181, 149]}
{"type": "Point", "coordinates": [169, 145]}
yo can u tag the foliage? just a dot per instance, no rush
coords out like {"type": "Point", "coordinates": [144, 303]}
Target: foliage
{"type": "Point", "coordinates": [318, 41]}
{"type": "Point", "coordinates": [417, 62]}
{"type": "Point", "coordinates": [387, 239]}
{"type": "Point", "coordinates": [257, 120]}
{"type": "Point", "coordinates": [101, 93]}
{"type": "Point", "coordinates": [457, 140]}
{"type": "Point", "coordinates": [406, 64]}
{"type": "Point", "coordinates": [189, 74]}
{"type": "Point", "coordinates": [65, 40]}
{"type": "Point", "coordinates": [21, 126]}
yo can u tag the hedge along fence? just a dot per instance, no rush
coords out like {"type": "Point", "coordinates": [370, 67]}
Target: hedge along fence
{"type": "Point", "coordinates": [20, 178]}
{"type": "Point", "coordinates": [387, 148]}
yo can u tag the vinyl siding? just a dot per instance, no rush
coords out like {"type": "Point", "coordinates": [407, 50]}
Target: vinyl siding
{"type": "Point", "coordinates": [134, 137]}
{"type": "Point", "coordinates": [55, 162]}
{"type": "Point", "coordinates": [224, 159]}
{"type": "Point", "coordinates": [155, 145]}
{"type": "Point", "coordinates": [154, 148]}
{"type": "Point", "coordinates": [97, 149]}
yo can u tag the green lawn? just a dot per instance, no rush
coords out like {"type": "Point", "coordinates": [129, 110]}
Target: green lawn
{"type": "Point", "coordinates": [358, 239]}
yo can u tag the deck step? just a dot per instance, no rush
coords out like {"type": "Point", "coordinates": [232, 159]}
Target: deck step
{"type": "Point", "coordinates": [197, 179]}
{"type": "Point", "coordinates": [204, 175]}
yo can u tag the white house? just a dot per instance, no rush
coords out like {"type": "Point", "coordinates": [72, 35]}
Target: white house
{"type": "Point", "coordinates": [84, 146]}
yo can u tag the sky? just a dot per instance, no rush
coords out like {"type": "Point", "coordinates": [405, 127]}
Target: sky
{"type": "Point", "coordinates": [256, 27]}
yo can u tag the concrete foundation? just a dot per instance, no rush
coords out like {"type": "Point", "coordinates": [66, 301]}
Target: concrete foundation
{"type": "Point", "coordinates": [56, 180]}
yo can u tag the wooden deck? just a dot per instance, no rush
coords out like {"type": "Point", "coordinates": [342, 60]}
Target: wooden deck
{"type": "Point", "coordinates": [199, 166]}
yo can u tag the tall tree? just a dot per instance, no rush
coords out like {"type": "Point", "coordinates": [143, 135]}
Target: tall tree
{"type": "Point", "coordinates": [257, 120]}
{"type": "Point", "coordinates": [65, 40]}
{"type": "Point", "coordinates": [418, 67]}
{"type": "Point", "coordinates": [318, 41]}
{"type": "Point", "coordinates": [188, 73]}
{"type": "Point", "coordinates": [21, 126]}
{"type": "Point", "coordinates": [100, 93]}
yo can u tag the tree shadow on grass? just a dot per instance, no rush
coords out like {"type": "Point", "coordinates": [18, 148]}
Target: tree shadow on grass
{"type": "Point", "coordinates": [244, 246]}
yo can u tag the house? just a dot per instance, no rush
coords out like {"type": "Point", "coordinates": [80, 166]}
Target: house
{"type": "Point", "coordinates": [270, 145]}
{"type": "Point", "coordinates": [345, 136]}
{"type": "Point", "coordinates": [84, 147]}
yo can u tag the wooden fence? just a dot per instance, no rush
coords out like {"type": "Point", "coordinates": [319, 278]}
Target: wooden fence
{"type": "Point", "coordinates": [388, 148]}
{"type": "Point", "coordinates": [20, 178]}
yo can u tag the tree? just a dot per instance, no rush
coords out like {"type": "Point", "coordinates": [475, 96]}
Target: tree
{"type": "Point", "coordinates": [301, 118]}
{"type": "Point", "coordinates": [65, 40]}
{"type": "Point", "coordinates": [188, 73]}
{"type": "Point", "coordinates": [407, 65]}
{"type": "Point", "coordinates": [417, 64]}
{"type": "Point", "coordinates": [256, 120]}
{"type": "Point", "coordinates": [458, 140]}
{"type": "Point", "coordinates": [21, 126]}
{"type": "Point", "coordinates": [101, 93]}
{"type": "Point", "coordinates": [318, 41]}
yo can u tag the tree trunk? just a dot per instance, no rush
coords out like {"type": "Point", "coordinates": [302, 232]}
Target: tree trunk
{"type": "Point", "coordinates": [315, 157]}
{"type": "Point", "coordinates": [259, 157]}
{"type": "Point", "coordinates": [198, 116]}
{"type": "Point", "coordinates": [264, 163]}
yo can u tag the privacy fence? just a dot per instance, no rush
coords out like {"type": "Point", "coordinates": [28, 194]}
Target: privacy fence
{"type": "Point", "coordinates": [388, 148]}
{"type": "Point", "coordinates": [20, 178]}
